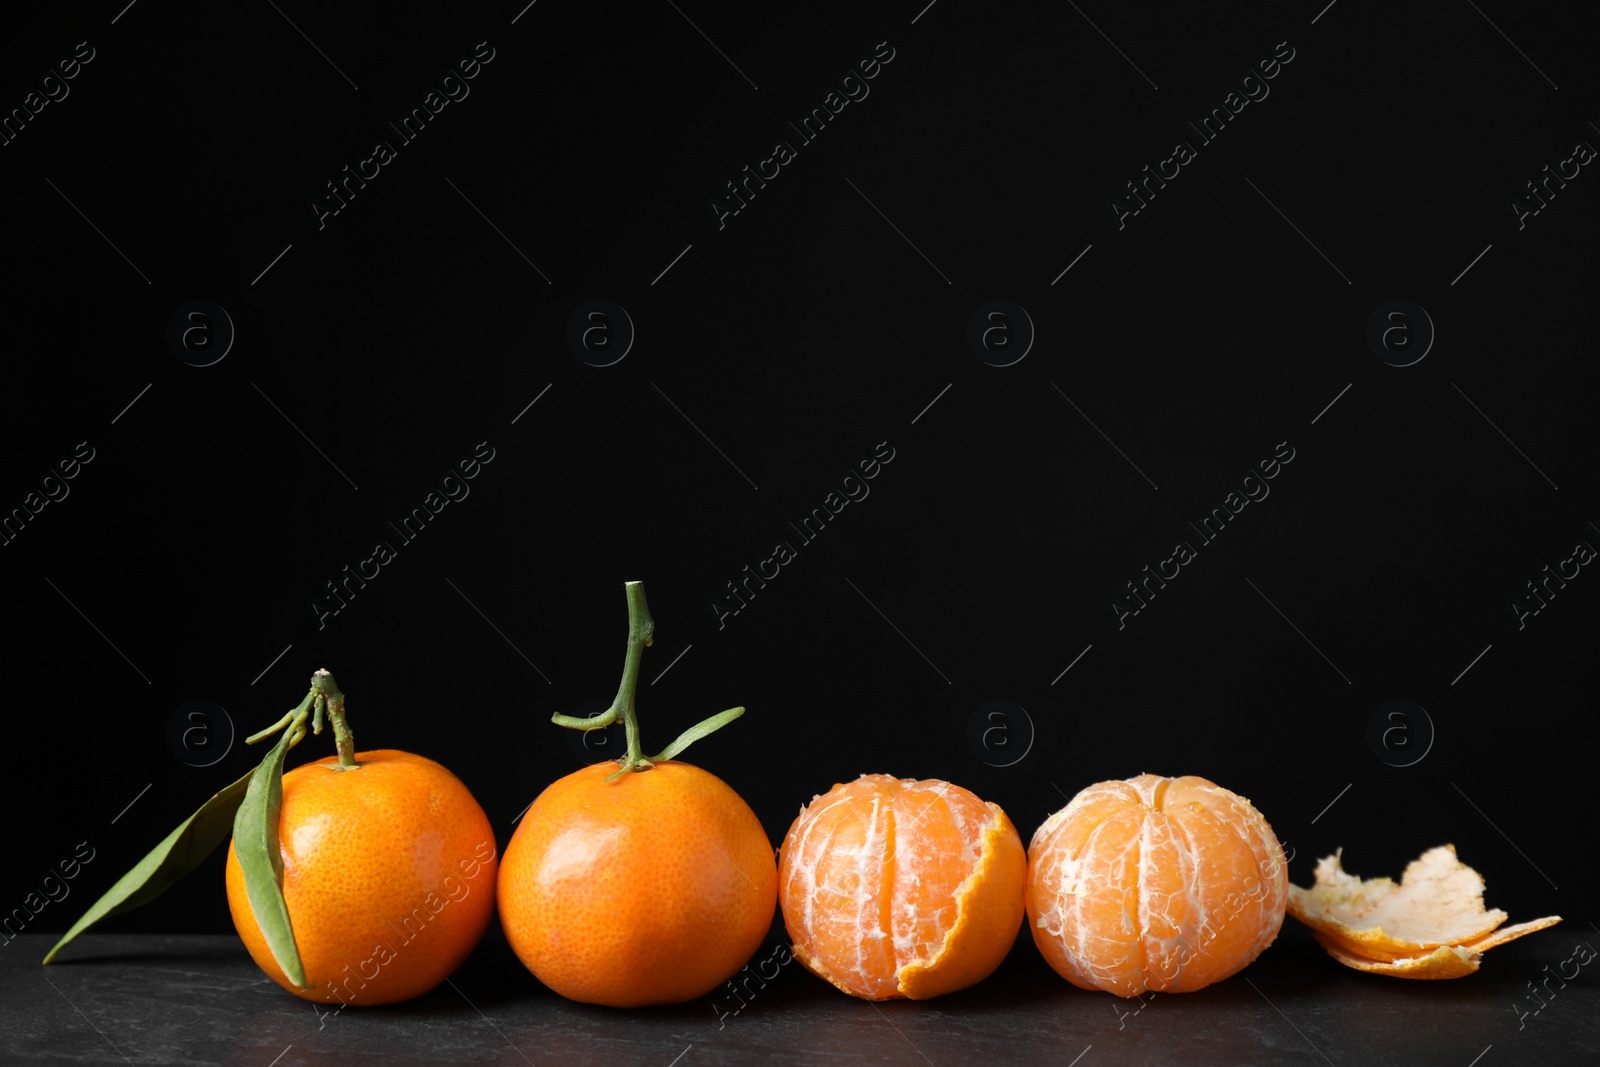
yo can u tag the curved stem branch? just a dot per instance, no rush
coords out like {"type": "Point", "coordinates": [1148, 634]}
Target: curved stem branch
{"type": "Point", "coordinates": [288, 717]}
{"type": "Point", "coordinates": [592, 722]}
{"type": "Point", "coordinates": [641, 632]}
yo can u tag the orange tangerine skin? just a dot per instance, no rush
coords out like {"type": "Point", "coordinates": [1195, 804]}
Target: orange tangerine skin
{"type": "Point", "coordinates": [654, 888]}
{"type": "Point", "coordinates": [1163, 884]}
{"type": "Point", "coordinates": [898, 888]}
{"type": "Point", "coordinates": [388, 873]}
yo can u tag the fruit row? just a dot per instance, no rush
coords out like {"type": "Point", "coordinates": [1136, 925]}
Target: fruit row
{"type": "Point", "coordinates": [368, 878]}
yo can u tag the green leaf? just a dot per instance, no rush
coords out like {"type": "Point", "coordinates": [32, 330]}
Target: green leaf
{"type": "Point", "coordinates": [696, 732]}
{"type": "Point", "coordinates": [255, 843]}
{"type": "Point", "coordinates": [178, 854]}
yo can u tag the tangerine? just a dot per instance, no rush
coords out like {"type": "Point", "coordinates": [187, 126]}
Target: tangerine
{"type": "Point", "coordinates": [651, 889]}
{"type": "Point", "coordinates": [389, 877]}
{"type": "Point", "coordinates": [641, 880]}
{"type": "Point", "coordinates": [893, 887]}
{"type": "Point", "coordinates": [1164, 884]}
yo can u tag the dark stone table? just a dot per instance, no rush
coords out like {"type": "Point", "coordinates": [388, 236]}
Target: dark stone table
{"type": "Point", "coordinates": [192, 1000]}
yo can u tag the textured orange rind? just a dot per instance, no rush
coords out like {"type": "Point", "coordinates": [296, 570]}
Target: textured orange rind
{"type": "Point", "coordinates": [1431, 925]}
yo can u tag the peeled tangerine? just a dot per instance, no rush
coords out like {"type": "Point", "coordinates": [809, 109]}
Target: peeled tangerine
{"type": "Point", "coordinates": [1164, 884]}
{"type": "Point", "coordinates": [1432, 925]}
{"type": "Point", "coordinates": [893, 888]}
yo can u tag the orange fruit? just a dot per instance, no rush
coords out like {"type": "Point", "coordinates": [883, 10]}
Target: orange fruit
{"type": "Point", "coordinates": [654, 888]}
{"type": "Point", "coordinates": [388, 877]}
{"type": "Point", "coordinates": [1164, 884]}
{"type": "Point", "coordinates": [893, 887]}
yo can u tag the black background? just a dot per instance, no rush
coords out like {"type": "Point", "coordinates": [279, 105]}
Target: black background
{"type": "Point", "coordinates": [815, 325]}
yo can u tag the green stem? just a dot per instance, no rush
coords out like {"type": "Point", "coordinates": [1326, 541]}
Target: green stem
{"type": "Point", "coordinates": [323, 697]}
{"type": "Point", "coordinates": [288, 718]}
{"type": "Point", "coordinates": [641, 632]}
{"type": "Point", "coordinates": [329, 698]}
